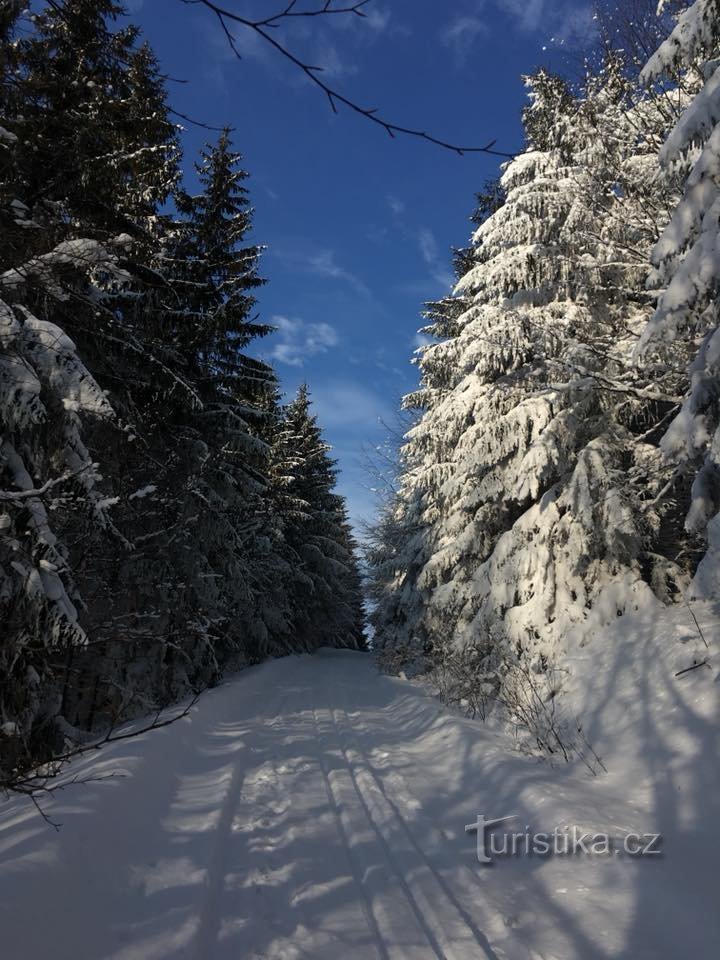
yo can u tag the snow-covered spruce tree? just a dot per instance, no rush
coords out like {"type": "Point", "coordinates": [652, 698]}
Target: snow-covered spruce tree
{"type": "Point", "coordinates": [325, 591]}
{"type": "Point", "coordinates": [271, 628]}
{"type": "Point", "coordinates": [686, 263]}
{"type": "Point", "coordinates": [514, 496]}
{"type": "Point", "coordinates": [47, 400]}
{"type": "Point", "coordinates": [97, 157]}
{"type": "Point", "coordinates": [91, 93]}
{"type": "Point", "coordinates": [93, 154]}
{"type": "Point", "coordinates": [398, 533]}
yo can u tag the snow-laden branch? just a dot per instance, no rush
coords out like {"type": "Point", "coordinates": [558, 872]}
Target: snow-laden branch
{"type": "Point", "coordinates": [39, 492]}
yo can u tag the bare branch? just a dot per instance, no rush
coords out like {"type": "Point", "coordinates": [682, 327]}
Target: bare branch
{"type": "Point", "coordinates": [38, 782]}
{"type": "Point", "coordinates": [695, 666]}
{"type": "Point", "coordinates": [39, 492]}
{"type": "Point", "coordinates": [697, 625]}
{"type": "Point", "coordinates": [199, 123]}
{"type": "Point", "coordinates": [261, 27]}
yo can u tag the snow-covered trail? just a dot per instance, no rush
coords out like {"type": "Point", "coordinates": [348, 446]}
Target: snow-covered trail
{"type": "Point", "coordinates": [311, 809]}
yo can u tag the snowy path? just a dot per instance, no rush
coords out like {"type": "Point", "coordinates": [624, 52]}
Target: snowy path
{"type": "Point", "coordinates": [311, 809]}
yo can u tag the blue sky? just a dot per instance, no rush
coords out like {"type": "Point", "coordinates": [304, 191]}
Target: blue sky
{"type": "Point", "coordinates": [359, 227]}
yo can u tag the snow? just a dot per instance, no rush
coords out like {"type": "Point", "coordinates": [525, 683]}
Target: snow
{"type": "Point", "coordinates": [697, 123]}
{"type": "Point", "coordinates": [6, 136]}
{"type": "Point", "coordinates": [143, 492]}
{"type": "Point", "coordinates": [693, 35]}
{"type": "Point", "coordinates": [80, 253]}
{"type": "Point", "coordinates": [687, 257]}
{"type": "Point", "coordinates": [312, 808]}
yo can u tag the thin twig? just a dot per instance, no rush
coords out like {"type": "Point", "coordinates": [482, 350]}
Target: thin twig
{"type": "Point", "coordinates": [199, 123]}
{"type": "Point", "coordinates": [38, 781]}
{"type": "Point", "coordinates": [695, 666]}
{"type": "Point", "coordinates": [261, 27]}
{"type": "Point", "coordinates": [699, 629]}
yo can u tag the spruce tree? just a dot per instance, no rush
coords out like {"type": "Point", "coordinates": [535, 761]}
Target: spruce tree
{"type": "Point", "coordinates": [327, 599]}
{"type": "Point", "coordinates": [683, 332]}
{"type": "Point", "coordinates": [146, 541]}
{"type": "Point", "coordinates": [49, 270]}
{"type": "Point", "coordinates": [514, 508]}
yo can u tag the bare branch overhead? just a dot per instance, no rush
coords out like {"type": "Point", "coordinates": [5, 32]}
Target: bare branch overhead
{"type": "Point", "coordinates": [262, 28]}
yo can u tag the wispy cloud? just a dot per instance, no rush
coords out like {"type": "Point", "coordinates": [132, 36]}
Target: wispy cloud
{"type": "Point", "coordinates": [428, 245]}
{"type": "Point", "coordinates": [219, 56]}
{"type": "Point", "coordinates": [300, 257]}
{"type": "Point", "coordinates": [332, 63]}
{"type": "Point", "coordinates": [312, 47]}
{"type": "Point", "coordinates": [378, 18]}
{"type": "Point", "coordinates": [460, 35]}
{"type": "Point", "coordinates": [323, 263]}
{"type": "Point", "coordinates": [377, 235]}
{"type": "Point", "coordinates": [430, 254]}
{"type": "Point", "coordinates": [396, 205]}
{"type": "Point", "coordinates": [566, 22]}
{"type": "Point", "coordinates": [377, 21]}
{"type": "Point", "coordinates": [349, 405]}
{"type": "Point", "coordinates": [297, 340]}
{"type": "Point", "coordinates": [437, 263]}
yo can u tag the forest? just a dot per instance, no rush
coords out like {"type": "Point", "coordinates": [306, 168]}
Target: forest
{"type": "Point", "coordinates": [239, 720]}
{"type": "Point", "coordinates": [166, 516]}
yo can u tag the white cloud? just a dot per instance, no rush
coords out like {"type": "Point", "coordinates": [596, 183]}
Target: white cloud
{"type": "Point", "coordinates": [428, 245]}
{"type": "Point", "coordinates": [315, 48]}
{"type": "Point", "coordinates": [332, 63]}
{"type": "Point", "coordinates": [377, 235]}
{"type": "Point", "coordinates": [396, 205]}
{"type": "Point", "coordinates": [461, 33]}
{"type": "Point", "coordinates": [564, 22]}
{"type": "Point", "coordinates": [323, 264]}
{"type": "Point", "coordinates": [430, 254]}
{"type": "Point", "coordinates": [348, 406]}
{"type": "Point", "coordinates": [377, 18]}
{"type": "Point", "coordinates": [219, 57]}
{"type": "Point", "coordinates": [299, 340]}
{"type": "Point", "coordinates": [531, 14]}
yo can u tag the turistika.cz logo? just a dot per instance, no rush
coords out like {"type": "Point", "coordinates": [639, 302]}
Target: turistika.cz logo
{"type": "Point", "coordinates": [562, 841]}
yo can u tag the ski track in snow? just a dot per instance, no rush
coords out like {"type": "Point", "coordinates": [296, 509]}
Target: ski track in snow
{"type": "Point", "coordinates": [309, 809]}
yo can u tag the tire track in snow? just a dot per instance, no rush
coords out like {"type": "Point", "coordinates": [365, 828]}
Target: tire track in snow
{"type": "Point", "coordinates": [402, 933]}
{"type": "Point", "coordinates": [345, 840]}
{"type": "Point", "coordinates": [435, 888]}
{"type": "Point", "coordinates": [450, 926]}
{"type": "Point", "coordinates": [458, 879]}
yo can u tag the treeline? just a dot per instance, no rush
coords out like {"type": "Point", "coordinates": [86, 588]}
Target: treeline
{"type": "Point", "coordinates": [164, 516]}
{"type": "Point", "coordinates": [564, 454]}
